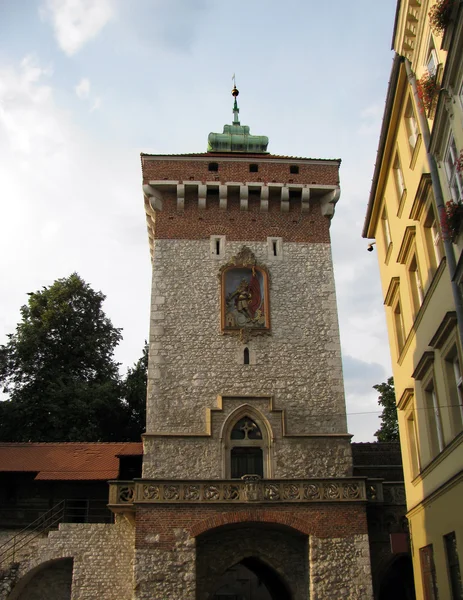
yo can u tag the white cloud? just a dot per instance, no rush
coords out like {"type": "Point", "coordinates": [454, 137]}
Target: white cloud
{"type": "Point", "coordinates": [75, 22]}
{"type": "Point", "coordinates": [83, 88]}
{"type": "Point", "coordinates": [49, 231]}
{"type": "Point", "coordinates": [22, 94]}
{"type": "Point", "coordinates": [96, 104]}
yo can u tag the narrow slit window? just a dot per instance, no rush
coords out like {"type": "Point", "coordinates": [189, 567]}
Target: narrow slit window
{"type": "Point", "coordinates": [275, 248]}
{"type": "Point", "coordinates": [246, 356]}
{"type": "Point", "coordinates": [217, 247]}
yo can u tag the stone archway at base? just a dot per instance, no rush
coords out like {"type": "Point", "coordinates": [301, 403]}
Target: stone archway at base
{"type": "Point", "coordinates": [251, 579]}
{"type": "Point", "coordinates": [252, 561]}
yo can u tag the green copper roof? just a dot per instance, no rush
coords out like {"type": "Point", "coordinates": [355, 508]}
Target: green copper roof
{"type": "Point", "coordinates": [236, 137]}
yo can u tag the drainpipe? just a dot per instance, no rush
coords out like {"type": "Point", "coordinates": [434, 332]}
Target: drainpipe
{"type": "Point", "coordinates": [437, 189]}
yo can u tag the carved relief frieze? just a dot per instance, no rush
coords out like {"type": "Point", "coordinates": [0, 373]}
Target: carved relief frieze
{"type": "Point", "coordinates": [250, 488]}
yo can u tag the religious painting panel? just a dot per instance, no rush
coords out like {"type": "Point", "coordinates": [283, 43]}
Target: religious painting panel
{"type": "Point", "coordinates": [245, 299]}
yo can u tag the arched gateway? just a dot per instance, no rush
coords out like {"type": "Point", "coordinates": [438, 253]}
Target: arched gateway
{"type": "Point", "coordinates": [252, 561]}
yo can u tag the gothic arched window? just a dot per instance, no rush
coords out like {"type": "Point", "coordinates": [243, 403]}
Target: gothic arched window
{"type": "Point", "coordinates": [246, 449]}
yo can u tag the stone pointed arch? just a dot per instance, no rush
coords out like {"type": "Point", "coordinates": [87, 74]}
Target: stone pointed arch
{"type": "Point", "coordinates": [266, 444]}
{"type": "Point", "coordinates": [261, 569]}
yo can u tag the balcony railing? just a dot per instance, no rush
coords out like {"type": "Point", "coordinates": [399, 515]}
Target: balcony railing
{"type": "Point", "coordinates": [248, 489]}
{"type": "Point", "coordinates": [79, 510]}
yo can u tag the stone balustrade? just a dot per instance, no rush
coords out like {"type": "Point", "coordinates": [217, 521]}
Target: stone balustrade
{"type": "Point", "coordinates": [249, 489]}
{"type": "Point", "coordinates": [388, 492]}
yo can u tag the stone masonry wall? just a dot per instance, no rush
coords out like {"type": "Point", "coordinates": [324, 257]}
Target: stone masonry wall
{"type": "Point", "coordinates": [192, 362]}
{"type": "Point", "coordinates": [340, 568]}
{"type": "Point", "coordinates": [162, 573]}
{"type": "Point", "coordinates": [103, 556]}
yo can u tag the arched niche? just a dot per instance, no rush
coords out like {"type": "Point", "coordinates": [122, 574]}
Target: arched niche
{"type": "Point", "coordinates": [51, 579]}
{"type": "Point", "coordinates": [246, 439]}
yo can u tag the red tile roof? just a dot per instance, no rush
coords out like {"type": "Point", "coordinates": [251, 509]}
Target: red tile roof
{"type": "Point", "coordinates": [67, 461]}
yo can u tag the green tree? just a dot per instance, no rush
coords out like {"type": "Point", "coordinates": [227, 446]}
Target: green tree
{"type": "Point", "coordinates": [389, 430]}
{"type": "Point", "coordinates": [58, 369]}
{"type": "Point", "coordinates": [135, 385]}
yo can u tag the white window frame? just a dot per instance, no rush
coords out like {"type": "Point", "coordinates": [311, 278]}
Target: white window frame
{"type": "Point", "coordinates": [432, 404]}
{"type": "Point", "coordinates": [415, 281]}
{"type": "Point", "coordinates": [386, 229]}
{"type": "Point", "coordinates": [454, 379]}
{"type": "Point", "coordinates": [275, 248]}
{"type": "Point", "coordinates": [412, 439]}
{"type": "Point", "coordinates": [432, 60]}
{"type": "Point", "coordinates": [454, 178]}
{"type": "Point", "coordinates": [399, 325]}
{"type": "Point", "coordinates": [399, 177]}
{"type": "Point", "coordinates": [411, 125]}
{"type": "Point", "coordinates": [458, 381]}
{"type": "Point", "coordinates": [217, 242]}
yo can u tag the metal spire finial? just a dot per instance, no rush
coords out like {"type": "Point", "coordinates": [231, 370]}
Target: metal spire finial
{"type": "Point", "coordinates": [236, 110]}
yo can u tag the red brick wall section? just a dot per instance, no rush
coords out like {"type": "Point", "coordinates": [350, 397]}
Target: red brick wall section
{"type": "Point", "coordinates": [237, 171]}
{"type": "Point", "coordinates": [155, 524]}
{"type": "Point", "coordinates": [238, 225]}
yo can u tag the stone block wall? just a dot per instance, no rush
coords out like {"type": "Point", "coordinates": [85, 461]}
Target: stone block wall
{"type": "Point", "coordinates": [192, 362]}
{"type": "Point", "coordinates": [102, 555]}
{"type": "Point", "coordinates": [340, 568]}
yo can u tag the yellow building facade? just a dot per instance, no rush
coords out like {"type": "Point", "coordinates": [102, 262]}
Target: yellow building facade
{"type": "Point", "coordinates": [419, 253]}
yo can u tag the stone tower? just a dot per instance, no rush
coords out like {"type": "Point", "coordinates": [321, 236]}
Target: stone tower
{"type": "Point", "coordinates": [247, 488]}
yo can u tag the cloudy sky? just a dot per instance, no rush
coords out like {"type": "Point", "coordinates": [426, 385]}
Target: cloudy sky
{"type": "Point", "coordinates": [86, 85]}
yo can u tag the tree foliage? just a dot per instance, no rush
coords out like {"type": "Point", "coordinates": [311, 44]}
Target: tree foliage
{"type": "Point", "coordinates": [59, 372]}
{"type": "Point", "coordinates": [389, 430]}
{"type": "Point", "coordinates": [135, 386]}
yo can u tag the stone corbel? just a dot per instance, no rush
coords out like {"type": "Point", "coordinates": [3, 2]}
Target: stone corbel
{"type": "Point", "coordinates": [202, 192]}
{"type": "Point", "coordinates": [264, 198]}
{"type": "Point", "coordinates": [244, 194]}
{"type": "Point", "coordinates": [284, 200]}
{"type": "Point", "coordinates": [305, 196]}
{"type": "Point", "coordinates": [180, 197]}
{"type": "Point", "coordinates": [223, 191]}
{"type": "Point", "coordinates": [328, 202]}
{"type": "Point", "coordinates": [154, 196]}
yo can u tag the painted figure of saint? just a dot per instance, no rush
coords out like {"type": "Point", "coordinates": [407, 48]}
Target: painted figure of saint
{"type": "Point", "coordinates": [245, 302]}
